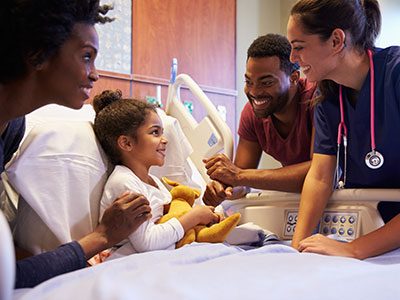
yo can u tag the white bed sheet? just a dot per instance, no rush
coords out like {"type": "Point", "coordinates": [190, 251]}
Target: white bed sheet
{"type": "Point", "coordinates": [218, 271]}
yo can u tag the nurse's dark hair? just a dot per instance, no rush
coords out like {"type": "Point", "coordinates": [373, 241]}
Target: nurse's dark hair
{"type": "Point", "coordinates": [273, 45]}
{"type": "Point", "coordinates": [32, 31]}
{"type": "Point", "coordinates": [116, 116]}
{"type": "Point", "coordinates": [359, 18]}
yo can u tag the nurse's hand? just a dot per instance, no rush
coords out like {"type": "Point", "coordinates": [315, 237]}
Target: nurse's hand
{"type": "Point", "coordinates": [222, 169]}
{"type": "Point", "coordinates": [321, 244]}
{"type": "Point", "coordinates": [121, 219]}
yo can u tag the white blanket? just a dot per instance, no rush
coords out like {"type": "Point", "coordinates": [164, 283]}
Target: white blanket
{"type": "Point", "coordinates": [217, 271]}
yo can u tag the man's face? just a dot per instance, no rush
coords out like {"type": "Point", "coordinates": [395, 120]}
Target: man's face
{"type": "Point", "coordinates": [266, 85]}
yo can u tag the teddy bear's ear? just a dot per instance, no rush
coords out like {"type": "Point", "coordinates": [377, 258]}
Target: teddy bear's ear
{"type": "Point", "coordinates": [169, 182]}
{"type": "Point", "coordinates": [196, 193]}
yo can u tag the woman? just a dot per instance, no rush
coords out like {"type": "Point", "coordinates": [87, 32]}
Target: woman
{"type": "Point", "coordinates": [47, 56]}
{"type": "Point", "coordinates": [333, 42]}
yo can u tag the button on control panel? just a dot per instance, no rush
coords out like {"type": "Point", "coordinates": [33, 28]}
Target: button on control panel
{"type": "Point", "coordinates": [343, 225]}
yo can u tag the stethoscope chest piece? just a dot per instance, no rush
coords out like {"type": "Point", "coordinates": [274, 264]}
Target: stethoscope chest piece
{"type": "Point", "coordinates": [374, 159]}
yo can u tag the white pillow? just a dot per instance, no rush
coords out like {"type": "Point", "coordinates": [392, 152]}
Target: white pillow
{"type": "Point", "coordinates": [59, 173]}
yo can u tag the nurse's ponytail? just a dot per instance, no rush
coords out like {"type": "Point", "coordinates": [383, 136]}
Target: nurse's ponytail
{"type": "Point", "coordinates": [372, 25]}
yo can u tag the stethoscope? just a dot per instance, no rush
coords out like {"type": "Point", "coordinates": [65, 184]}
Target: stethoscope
{"type": "Point", "coordinates": [373, 159]}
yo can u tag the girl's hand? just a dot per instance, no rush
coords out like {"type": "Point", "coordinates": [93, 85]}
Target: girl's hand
{"type": "Point", "coordinates": [199, 215]}
{"type": "Point", "coordinates": [204, 215]}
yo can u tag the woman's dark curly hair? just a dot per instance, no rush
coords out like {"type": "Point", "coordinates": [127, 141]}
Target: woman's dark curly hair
{"type": "Point", "coordinates": [32, 31]}
{"type": "Point", "coordinates": [116, 116]}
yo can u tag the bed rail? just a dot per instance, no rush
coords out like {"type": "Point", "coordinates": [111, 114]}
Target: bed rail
{"type": "Point", "coordinates": [209, 137]}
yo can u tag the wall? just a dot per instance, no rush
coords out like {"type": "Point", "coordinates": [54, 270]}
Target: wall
{"type": "Point", "coordinates": [389, 35]}
{"type": "Point", "coordinates": [138, 47]}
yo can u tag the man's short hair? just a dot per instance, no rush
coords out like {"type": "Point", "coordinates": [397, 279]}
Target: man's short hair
{"type": "Point", "coordinates": [273, 45]}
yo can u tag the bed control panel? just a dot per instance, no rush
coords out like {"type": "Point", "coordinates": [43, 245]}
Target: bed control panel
{"type": "Point", "coordinates": [341, 225]}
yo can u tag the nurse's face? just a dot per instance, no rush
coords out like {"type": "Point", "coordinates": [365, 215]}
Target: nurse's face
{"type": "Point", "coordinates": [68, 76]}
{"type": "Point", "coordinates": [266, 85]}
{"type": "Point", "coordinates": [314, 56]}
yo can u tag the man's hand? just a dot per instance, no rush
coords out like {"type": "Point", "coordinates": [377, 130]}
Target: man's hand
{"type": "Point", "coordinates": [222, 169]}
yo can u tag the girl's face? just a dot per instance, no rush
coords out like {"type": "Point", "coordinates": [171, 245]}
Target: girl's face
{"type": "Point", "coordinates": [314, 56]}
{"type": "Point", "coordinates": [67, 78]}
{"type": "Point", "coordinates": [150, 144]}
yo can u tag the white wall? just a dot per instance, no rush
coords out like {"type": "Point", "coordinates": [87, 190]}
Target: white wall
{"type": "Point", "coordinates": [390, 34]}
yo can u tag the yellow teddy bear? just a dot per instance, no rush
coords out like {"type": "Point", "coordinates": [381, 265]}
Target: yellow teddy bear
{"type": "Point", "coordinates": [182, 201]}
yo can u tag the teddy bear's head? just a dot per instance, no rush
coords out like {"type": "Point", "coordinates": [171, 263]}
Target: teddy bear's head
{"type": "Point", "coordinates": [183, 192]}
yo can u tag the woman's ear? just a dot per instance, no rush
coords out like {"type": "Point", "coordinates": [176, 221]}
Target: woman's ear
{"type": "Point", "coordinates": [125, 143]}
{"type": "Point", "coordinates": [338, 40]}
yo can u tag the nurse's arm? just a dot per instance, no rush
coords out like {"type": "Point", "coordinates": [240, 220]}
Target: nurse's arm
{"type": "Point", "coordinates": [377, 242]}
{"type": "Point", "coordinates": [316, 192]}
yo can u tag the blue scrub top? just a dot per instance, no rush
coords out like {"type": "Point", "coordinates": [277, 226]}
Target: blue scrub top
{"type": "Point", "coordinates": [357, 119]}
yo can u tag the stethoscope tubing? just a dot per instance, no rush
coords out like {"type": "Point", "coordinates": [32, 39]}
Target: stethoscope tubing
{"type": "Point", "coordinates": [342, 128]}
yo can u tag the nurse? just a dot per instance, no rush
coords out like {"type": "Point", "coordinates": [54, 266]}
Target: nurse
{"type": "Point", "coordinates": [357, 118]}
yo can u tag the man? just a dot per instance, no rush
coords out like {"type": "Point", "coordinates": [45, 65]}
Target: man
{"type": "Point", "coordinates": [277, 120]}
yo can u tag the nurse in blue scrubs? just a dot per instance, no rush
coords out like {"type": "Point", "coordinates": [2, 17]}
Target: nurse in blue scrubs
{"type": "Point", "coordinates": [357, 119]}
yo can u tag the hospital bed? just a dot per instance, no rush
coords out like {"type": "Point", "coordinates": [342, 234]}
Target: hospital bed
{"type": "Point", "coordinates": [196, 271]}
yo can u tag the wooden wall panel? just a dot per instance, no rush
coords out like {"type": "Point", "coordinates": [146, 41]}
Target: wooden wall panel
{"type": "Point", "coordinates": [199, 33]}
{"type": "Point", "coordinates": [112, 82]}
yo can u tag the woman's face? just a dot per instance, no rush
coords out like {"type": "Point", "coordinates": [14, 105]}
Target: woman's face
{"type": "Point", "coordinates": [314, 55]}
{"type": "Point", "coordinates": [67, 78]}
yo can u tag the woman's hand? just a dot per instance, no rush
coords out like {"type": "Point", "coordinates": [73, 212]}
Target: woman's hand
{"type": "Point", "coordinates": [122, 218]}
{"type": "Point", "coordinates": [323, 245]}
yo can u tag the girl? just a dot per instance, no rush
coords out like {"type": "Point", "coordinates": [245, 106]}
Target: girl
{"type": "Point", "coordinates": [333, 42]}
{"type": "Point", "coordinates": [131, 133]}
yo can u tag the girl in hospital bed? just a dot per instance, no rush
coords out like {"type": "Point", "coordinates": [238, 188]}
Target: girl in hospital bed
{"type": "Point", "coordinates": [131, 134]}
